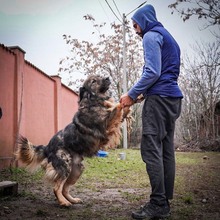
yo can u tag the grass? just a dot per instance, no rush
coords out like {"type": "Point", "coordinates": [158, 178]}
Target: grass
{"type": "Point", "coordinates": [21, 175]}
{"type": "Point", "coordinates": [196, 179]}
{"type": "Point", "coordinates": [197, 194]}
{"type": "Point", "coordinates": [113, 172]}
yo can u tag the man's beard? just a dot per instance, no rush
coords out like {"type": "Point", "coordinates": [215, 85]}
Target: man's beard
{"type": "Point", "coordinates": [139, 34]}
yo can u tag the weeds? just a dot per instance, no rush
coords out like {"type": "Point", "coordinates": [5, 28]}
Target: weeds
{"type": "Point", "coordinates": [188, 199]}
{"type": "Point", "coordinates": [21, 175]}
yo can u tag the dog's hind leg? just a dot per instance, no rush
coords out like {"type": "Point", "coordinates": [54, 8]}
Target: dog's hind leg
{"type": "Point", "coordinates": [77, 169]}
{"type": "Point", "coordinates": [58, 189]}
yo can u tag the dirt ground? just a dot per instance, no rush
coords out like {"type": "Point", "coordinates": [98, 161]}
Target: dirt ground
{"type": "Point", "coordinates": [197, 196]}
{"type": "Point", "coordinates": [38, 202]}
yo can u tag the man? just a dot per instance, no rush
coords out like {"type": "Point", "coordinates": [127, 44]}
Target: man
{"type": "Point", "coordinates": [158, 85]}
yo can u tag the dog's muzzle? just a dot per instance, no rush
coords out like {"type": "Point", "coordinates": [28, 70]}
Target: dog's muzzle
{"type": "Point", "coordinates": [105, 84]}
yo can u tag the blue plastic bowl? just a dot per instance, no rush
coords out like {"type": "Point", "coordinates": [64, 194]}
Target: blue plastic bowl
{"type": "Point", "coordinates": [102, 153]}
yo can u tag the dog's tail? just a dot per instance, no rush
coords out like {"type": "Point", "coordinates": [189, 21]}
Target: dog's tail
{"type": "Point", "coordinates": [31, 156]}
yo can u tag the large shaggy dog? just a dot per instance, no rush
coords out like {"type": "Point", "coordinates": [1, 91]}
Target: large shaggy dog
{"type": "Point", "coordinates": [96, 124]}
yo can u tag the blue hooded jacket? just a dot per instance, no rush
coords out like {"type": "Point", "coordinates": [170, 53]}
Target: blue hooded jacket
{"type": "Point", "coordinates": [161, 56]}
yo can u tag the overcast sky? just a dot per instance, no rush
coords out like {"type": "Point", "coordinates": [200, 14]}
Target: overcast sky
{"type": "Point", "coordinates": [37, 26]}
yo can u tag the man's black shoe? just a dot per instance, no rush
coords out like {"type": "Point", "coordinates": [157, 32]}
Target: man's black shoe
{"type": "Point", "coordinates": [151, 211]}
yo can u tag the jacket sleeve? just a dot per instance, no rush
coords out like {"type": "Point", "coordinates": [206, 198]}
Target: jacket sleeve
{"type": "Point", "coordinates": [152, 44]}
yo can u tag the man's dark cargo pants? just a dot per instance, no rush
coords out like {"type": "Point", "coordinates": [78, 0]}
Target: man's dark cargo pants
{"type": "Point", "coordinates": [157, 148]}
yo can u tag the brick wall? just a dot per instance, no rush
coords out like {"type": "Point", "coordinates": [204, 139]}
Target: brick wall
{"type": "Point", "coordinates": [33, 104]}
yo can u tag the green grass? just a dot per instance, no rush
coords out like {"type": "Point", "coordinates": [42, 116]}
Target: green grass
{"type": "Point", "coordinates": [188, 159]}
{"type": "Point", "coordinates": [111, 172]}
{"type": "Point", "coordinates": [196, 178]}
{"type": "Point", "coordinates": [21, 175]}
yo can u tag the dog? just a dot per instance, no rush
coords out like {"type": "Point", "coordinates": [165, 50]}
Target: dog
{"type": "Point", "coordinates": [95, 125]}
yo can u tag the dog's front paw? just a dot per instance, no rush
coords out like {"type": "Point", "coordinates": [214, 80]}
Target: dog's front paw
{"type": "Point", "coordinates": [119, 106]}
{"type": "Point", "coordinates": [108, 104]}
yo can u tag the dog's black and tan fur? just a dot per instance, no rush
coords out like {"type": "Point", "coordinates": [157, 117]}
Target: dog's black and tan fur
{"type": "Point", "coordinates": [95, 125]}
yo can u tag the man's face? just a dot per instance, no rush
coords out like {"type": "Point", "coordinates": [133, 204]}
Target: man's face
{"type": "Point", "coordinates": [137, 29]}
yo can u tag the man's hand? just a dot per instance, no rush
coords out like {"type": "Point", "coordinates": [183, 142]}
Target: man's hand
{"type": "Point", "coordinates": [126, 100]}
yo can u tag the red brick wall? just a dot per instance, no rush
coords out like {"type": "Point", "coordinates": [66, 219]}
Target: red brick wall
{"type": "Point", "coordinates": [33, 103]}
{"type": "Point", "coordinates": [6, 103]}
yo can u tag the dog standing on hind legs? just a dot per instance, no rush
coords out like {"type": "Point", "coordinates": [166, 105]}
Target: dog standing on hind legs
{"type": "Point", "coordinates": [33, 157]}
{"type": "Point", "coordinates": [62, 187]}
{"type": "Point", "coordinates": [95, 125]}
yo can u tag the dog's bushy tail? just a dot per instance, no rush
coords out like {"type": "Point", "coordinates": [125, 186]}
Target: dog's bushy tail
{"type": "Point", "coordinates": [31, 156]}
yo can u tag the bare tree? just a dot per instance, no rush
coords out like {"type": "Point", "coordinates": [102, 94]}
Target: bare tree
{"type": "Point", "coordinates": [202, 9]}
{"type": "Point", "coordinates": [200, 79]}
{"type": "Point", "coordinates": [105, 57]}
{"type": "Point", "coordinates": [201, 86]}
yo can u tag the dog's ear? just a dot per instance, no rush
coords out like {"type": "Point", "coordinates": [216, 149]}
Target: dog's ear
{"type": "Point", "coordinates": [81, 93]}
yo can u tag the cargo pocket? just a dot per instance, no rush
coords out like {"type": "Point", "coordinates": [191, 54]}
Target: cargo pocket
{"type": "Point", "coordinates": [149, 123]}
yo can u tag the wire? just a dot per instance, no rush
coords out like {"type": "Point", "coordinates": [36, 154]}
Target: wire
{"type": "Point", "coordinates": [136, 8]}
{"type": "Point", "coordinates": [112, 11]}
{"type": "Point", "coordinates": [117, 8]}
{"type": "Point", "coordinates": [104, 12]}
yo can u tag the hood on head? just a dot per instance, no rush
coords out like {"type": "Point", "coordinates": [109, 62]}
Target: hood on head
{"type": "Point", "coordinates": [145, 17]}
